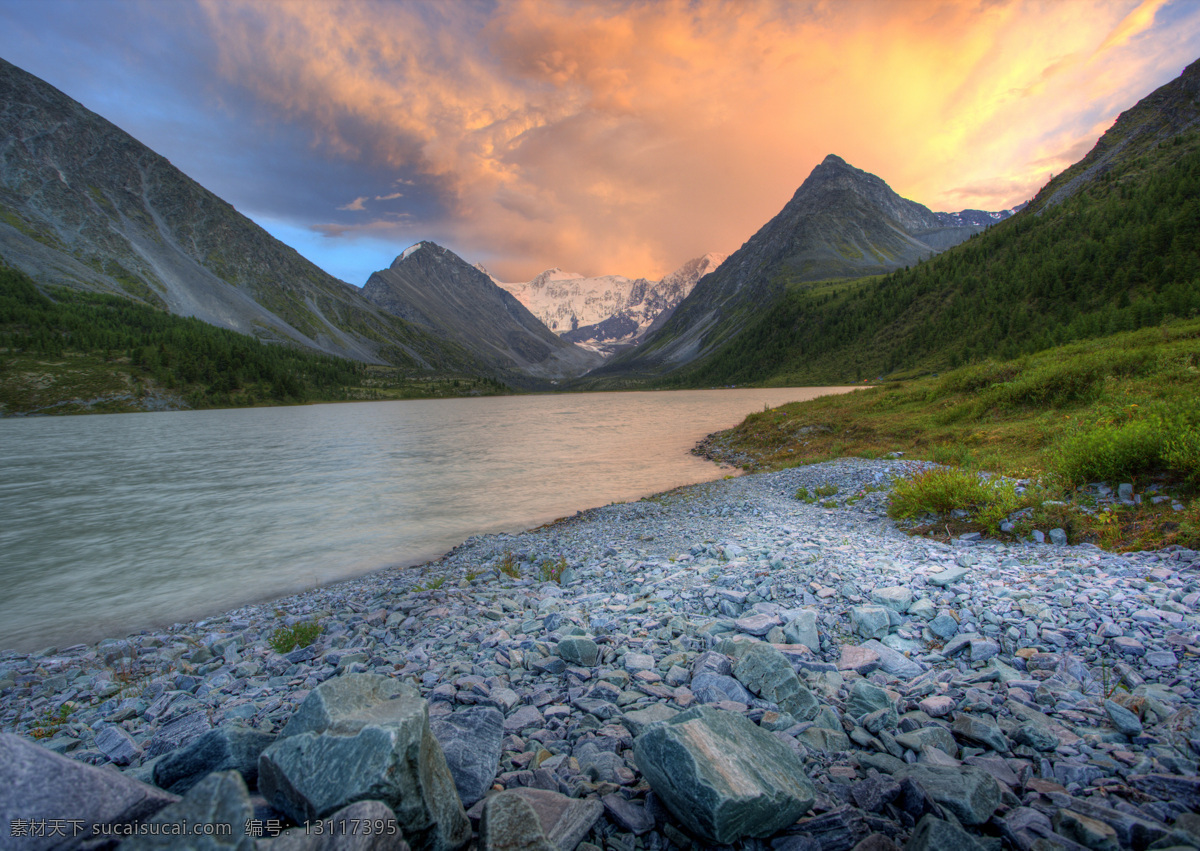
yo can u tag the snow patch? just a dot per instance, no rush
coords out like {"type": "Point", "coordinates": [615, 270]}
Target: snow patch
{"type": "Point", "coordinates": [410, 251]}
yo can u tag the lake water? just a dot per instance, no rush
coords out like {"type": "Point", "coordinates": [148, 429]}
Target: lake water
{"type": "Point", "coordinates": [110, 524]}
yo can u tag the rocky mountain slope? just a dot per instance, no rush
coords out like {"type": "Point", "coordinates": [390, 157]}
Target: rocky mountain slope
{"type": "Point", "coordinates": [607, 312]}
{"type": "Point", "coordinates": [85, 205]}
{"type": "Point", "coordinates": [1168, 112]}
{"type": "Point", "coordinates": [438, 291]}
{"type": "Point", "coordinates": [1109, 245]}
{"type": "Point", "coordinates": [841, 223]}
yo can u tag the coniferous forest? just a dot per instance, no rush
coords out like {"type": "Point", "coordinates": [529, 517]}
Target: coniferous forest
{"type": "Point", "coordinates": [108, 344]}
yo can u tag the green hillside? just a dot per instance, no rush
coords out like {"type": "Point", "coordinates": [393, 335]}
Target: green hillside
{"type": "Point", "coordinates": [82, 352]}
{"type": "Point", "coordinates": [1121, 253]}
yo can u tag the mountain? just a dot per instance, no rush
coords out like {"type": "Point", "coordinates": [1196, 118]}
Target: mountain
{"type": "Point", "coordinates": [440, 292]}
{"type": "Point", "coordinates": [606, 313]}
{"type": "Point", "coordinates": [977, 218]}
{"type": "Point", "coordinates": [841, 223]}
{"type": "Point", "coordinates": [85, 205]}
{"type": "Point", "coordinates": [1111, 244]}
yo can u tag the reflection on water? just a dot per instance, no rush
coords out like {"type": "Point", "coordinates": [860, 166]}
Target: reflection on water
{"type": "Point", "coordinates": [114, 523]}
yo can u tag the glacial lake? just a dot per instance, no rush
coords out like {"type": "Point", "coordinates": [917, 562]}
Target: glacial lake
{"type": "Point", "coordinates": [110, 524]}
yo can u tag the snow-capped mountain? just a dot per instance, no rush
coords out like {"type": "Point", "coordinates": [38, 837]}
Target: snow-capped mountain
{"type": "Point", "coordinates": [977, 218]}
{"type": "Point", "coordinates": [606, 312]}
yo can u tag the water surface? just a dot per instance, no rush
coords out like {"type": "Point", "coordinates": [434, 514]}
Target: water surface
{"type": "Point", "coordinates": [114, 523]}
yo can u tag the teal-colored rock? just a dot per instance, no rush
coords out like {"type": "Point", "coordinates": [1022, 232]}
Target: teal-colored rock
{"type": "Point", "coordinates": [865, 698]}
{"type": "Point", "coordinates": [220, 798]}
{"type": "Point", "coordinates": [578, 650]}
{"type": "Point", "coordinates": [970, 793]}
{"type": "Point", "coordinates": [723, 777]}
{"type": "Point", "coordinates": [825, 740]}
{"type": "Point", "coordinates": [363, 737]}
{"type": "Point", "coordinates": [767, 673]}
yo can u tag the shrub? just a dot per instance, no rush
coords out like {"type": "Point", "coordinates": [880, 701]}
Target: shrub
{"type": "Point", "coordinates": [287, 638]}
{"type": "Point", "coordinates": [552, 571]}
{"type": "Point", "coordinates": [942, 490]}
{"type": "Point", "coordinates": [508, 566]}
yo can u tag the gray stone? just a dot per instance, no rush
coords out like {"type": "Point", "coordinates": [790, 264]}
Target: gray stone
{"type": "Point", "coordinates": [639, 719]}
{"type": "Point", "coordinates": [219, 799]}
{"type": "Point", "coordinates": [896, 597]}
{"type": "Point", "coordinates": [758, 623]}
{"type": "Point", "coordinates": [893, 661]}
{"type": "Point", "coordinates": [711, 662]}
{"type": "Point", "coordinates": [825, 740]}
{"type": "Point", "coordinates": [510, 823]}
{"type": "Point", "coordinates": [40, 785]}
{"type": "Point", "coordinates": [1058, 537]}
{"type": "Point", "coordinates": [802, 629]}
{"type": "Point", "coordinates": [944, 626]}
{"type": "Point", "coordinates": [564, 821]}
{"type": "Point", "coordinates": [223, 749]}
{"type": "Point", "coordinates": [870, 621]}
{"type": "Point", "coordinates": [934, 834]}
{"type": "Point", "coordinates": [713, 688]}
{"type": "Point", "coordinates": [767, 673]}
{"type": "Point", "coordinates": [470, 740]}
{"type": "Point", "coordinates": [970, 793]}
{"type": "Point", "coordinates": [629, 815]}
{"type": "Point", "coordinates": [117, 745]}
{"type": "Point", "coordinates": [926, 737]}
{"type": "Point", "coordinates": [947, 577]}
{"type": "Point", "coordinates": [365, 737]}
{"type": "Point", "coordinates": [178, 732]}
{"type": "Point", "coordinates": [980, 729]}
{"type": "Point", "coordinates": [1125, 721]}
{"type": "Point", "coordinates": [1184, 790]}
{"type": "Point", "coordinates": [1088, 832]}
{"type": "Point", "coordinates": [722, 776]}
{"type": "Point", "coordinates": [363, 826]}
{"type": "Point", "coordinates": [865, 698]}
{"type": "Point", "coordinates": [578, 650]}
{"type": "Point", "coordinates": [635, 662]}
{"type": "Point", "coordinates": [1036, 736]}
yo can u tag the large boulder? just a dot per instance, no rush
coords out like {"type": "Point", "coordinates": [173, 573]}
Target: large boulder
{"type": "Point", "coordinates": [723, 777]}
{"type": "Point", "coordinates": [510, 823]}
{"type": "Point", "coordinates": [767, 673]}
{"type": "Point", "coordinates": [223, 749]}
{"type": "Point", "coordinates": [365, 737]}
{"type": "Point", "coordinates": [470, 739]}
{"type": "Point", "coordinates": [970, 793]}
{"type": "Point", "coordinates": [39, 785]}
{"type": "Point", "coordinates": [219, 799]}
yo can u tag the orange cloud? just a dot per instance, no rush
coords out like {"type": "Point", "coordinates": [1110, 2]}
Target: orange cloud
{"type": "Point", "coordinates": [628, 137]}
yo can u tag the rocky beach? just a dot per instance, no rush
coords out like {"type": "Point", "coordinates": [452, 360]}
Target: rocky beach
{"type": "Point", "coordinates": [723, 664]}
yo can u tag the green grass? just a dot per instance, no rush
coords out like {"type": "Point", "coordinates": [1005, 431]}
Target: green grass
{"type": "Point", "coordinates": [287, 638]}
{"type": "Point", "coordinates": [508, 566]}
{"type": "Point", "coordinates": [943, 490]}
{"type": "Point", "coordinates": [1118, 409]}
{"type": "Point", "coordinates": [552, 571]}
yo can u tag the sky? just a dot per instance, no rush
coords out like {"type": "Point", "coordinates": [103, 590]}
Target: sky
{"type": "Point", "coordinates": [599, 137]}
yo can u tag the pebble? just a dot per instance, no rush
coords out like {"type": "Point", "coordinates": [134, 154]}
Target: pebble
{"type": "Point", "coordinates": [1036, 692]}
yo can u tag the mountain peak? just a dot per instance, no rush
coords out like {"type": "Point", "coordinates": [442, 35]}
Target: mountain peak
{"type": "Point", "coordinates": [412, 249]}
{"type": "Point", "coordinates": [834, 159]}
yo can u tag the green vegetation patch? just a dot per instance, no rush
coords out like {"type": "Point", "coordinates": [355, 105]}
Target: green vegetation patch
{"type": "Point", "coordinates": [1118, 409]}
{"type": "Point", "coordinates": [285, 639]}
{"type": "Point", "coordinates": [67, 351]}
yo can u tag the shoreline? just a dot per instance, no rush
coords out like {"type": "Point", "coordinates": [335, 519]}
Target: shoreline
{"type": "Point", "coordinates": [995, 644]}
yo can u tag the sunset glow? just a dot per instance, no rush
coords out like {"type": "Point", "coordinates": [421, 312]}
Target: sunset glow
{"type": "Point", "coordinates": [625, 138]}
